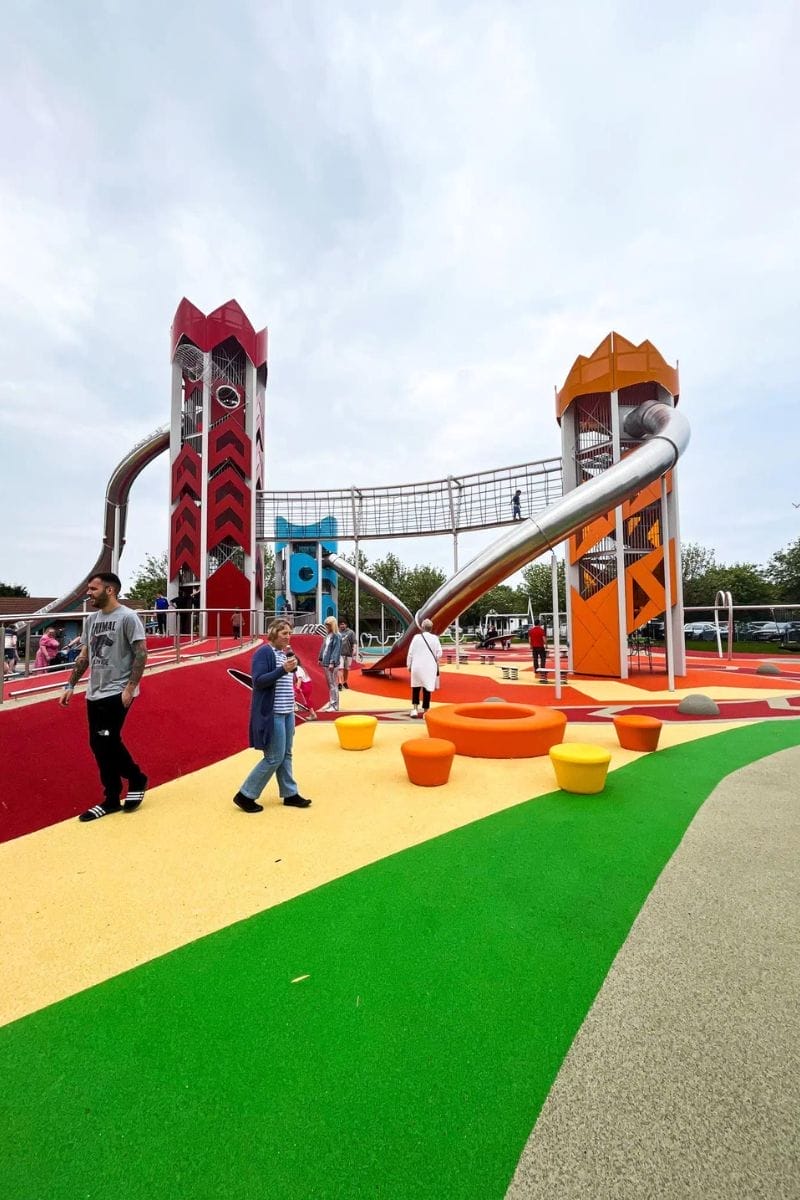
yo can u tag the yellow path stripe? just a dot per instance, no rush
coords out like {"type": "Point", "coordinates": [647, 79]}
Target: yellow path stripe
{"type": "Point", "coordinates": [85, 902]}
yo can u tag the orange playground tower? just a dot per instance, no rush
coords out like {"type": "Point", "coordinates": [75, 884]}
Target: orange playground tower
{"type": "Point", "coordinates": [616, 577]}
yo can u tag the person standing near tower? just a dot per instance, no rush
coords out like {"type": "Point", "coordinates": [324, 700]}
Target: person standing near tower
{"type": "Point", "coordinates": [516, 505]}
{"type": "Point", "coordinates": [113, 647]}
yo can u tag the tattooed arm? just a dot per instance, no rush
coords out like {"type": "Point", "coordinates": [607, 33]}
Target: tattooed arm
{"type": "Point", "coordinates": [78, 667]}
{"type": "Point", "coordinates": [137, 670]}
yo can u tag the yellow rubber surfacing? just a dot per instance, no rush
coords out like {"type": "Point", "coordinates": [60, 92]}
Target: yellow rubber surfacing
{"type": "Point", "coordinates": [85, 902]}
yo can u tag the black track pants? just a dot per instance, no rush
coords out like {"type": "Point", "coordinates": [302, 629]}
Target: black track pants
{"type": "Point", "coordinates": [106, 718]}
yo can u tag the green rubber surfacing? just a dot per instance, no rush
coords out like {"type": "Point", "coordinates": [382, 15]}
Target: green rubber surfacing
{"type": "Point", "coordinates": [445, 985]}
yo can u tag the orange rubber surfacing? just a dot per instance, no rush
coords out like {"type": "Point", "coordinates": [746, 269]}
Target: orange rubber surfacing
{"type": "Point", "coordinates": [497, 730]}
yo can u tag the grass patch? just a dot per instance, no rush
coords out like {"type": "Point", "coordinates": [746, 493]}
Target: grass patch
{"type": "Point", "coordinates": [443, 987]}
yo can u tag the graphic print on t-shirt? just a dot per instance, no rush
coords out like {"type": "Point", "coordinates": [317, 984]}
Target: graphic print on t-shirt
{"type": "Point", "coordinates": [101, 642]}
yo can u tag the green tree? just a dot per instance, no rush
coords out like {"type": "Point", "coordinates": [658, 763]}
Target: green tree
{"type": "Point", "coordinates": [500, 599]}
{"type": "Point", "coordinates": [538, 584]}
{"type": "Point", "coordinates": [696, 563]}
{"type": "Point", "coordinates": [150, 579]}
{"type": "Point", "coordinates": [268, 560]}
{"type": "Point", "coordinates": [368, 606]}
{"type": "Point", "coordinates": [746, 583]}
{"type": "Point", "coordinates": [783, 570]}
{"type": "Point", "coordinates": [13, 589]}
{"type": "Point", "coordinates": [391, 573]}
{"type": "Point", "coordinates": [419, 585]}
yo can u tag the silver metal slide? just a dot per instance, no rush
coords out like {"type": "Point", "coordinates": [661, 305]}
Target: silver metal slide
{"type": "Point", "coordinates": [116, 513]}
{"type": "Point", "coordinates": [342, 567]}
{"type": "Point", "coordinates": [666, 433]}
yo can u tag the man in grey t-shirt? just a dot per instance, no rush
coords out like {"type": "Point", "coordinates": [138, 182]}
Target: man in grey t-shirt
{"type": "Point", "coordinates": [114, 648]}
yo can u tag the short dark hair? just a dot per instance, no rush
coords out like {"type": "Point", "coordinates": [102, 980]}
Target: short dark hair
{"type": "Point", "coordinates": [110, 579]}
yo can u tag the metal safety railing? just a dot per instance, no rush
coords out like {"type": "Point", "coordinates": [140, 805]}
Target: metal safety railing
{"type": "Point", "coordinates": [187, 632]}
{"type": "Point", "coordinates": [454, 504]}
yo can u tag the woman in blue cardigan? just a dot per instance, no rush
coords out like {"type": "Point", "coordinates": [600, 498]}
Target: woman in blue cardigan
{"type": "Point", "coordinates": [272, 721]}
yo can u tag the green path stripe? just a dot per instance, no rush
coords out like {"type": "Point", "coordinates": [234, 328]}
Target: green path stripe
{"type": "Point", "coordinates": [445, 986]}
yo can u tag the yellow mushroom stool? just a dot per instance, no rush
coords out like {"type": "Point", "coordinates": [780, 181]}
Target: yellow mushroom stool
{"type": "Point", "coordinates": [356, 733]}
{"type": "Point", "coordinates": [579, 767]}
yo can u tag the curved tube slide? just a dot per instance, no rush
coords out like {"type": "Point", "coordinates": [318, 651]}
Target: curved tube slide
{"type": "Point", "coordinates": [666, 433]}
{"type": "Point", "coordinates": [116, 513]}
{"type": "Point", "coordinates": [342, 567]}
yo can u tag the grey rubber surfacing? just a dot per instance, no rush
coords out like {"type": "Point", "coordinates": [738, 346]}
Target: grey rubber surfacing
{"type": "Point", "coordinates": [684, 1080]}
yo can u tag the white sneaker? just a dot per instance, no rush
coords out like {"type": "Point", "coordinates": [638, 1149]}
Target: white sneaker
{"type": "Point", "coordinates": [414, 712]}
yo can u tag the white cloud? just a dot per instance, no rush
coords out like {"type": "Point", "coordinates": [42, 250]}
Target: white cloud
{"type": "Point", "coordinates": [434, 207]}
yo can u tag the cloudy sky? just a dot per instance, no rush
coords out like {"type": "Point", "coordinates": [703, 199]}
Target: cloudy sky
{"type": "Point", "coordinates": [434, 206]}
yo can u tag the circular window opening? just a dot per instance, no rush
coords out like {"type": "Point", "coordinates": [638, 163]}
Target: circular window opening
{"type": "Point", "coordinates": [306, 573]}
{"type": "Point", "coordinates": [228, 396]}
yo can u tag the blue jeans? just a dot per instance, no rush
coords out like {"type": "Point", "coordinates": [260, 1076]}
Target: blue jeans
{"type": "Point", "coordinates": [332, 676]}
{"type": "Point", "coordinates": [277, 760]}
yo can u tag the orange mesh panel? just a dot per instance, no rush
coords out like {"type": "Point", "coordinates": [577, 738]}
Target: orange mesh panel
{"type": "Point", "coordinates": [595, 633]}
{"type": "Point", "coordinates": [644, 589]}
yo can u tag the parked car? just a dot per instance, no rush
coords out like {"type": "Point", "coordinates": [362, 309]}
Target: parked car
{"type": "Point", "coordinates": [746, 630]}
{"type": "Point", "coordinates": [771, 631]}
{"type": "Point", "coordinates": [700, 631]}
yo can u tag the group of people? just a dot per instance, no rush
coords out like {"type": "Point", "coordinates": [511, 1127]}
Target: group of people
{"type": "Point", "coordinates": [113, 646]}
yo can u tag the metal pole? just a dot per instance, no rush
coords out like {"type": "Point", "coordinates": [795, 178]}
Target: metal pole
{"type": "Point", "coordinates": [356, 531]}
{"type": "Point", "coordinates": [556, 626]}
{"type": "Point", "coordinates": [668, 641]}
{"type": "Point", "coordinates": [319, 582]}
{"type": "Point", "coordinates": [454, 527]}
{"type": "Point", "coordinates": [218, 617]}
{"type": "Point", "coordinates": [458, 618]}
{"type": "Point", "coordinates": [726, 599]}
{"type": "Point", "coordinates": [357, 598]}
{"type": "Point", "coordinates": [619, 552]}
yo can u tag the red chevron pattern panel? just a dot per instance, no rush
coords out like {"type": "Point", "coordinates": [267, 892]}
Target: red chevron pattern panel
{"type": "Point", "coordinates": [185, 538]}
{"type": "Point", "coordinates": [228, 443]}
{"type": "Point", "coordinates": [187, 474]}
{"type": "Point", "coordinates": [228, 509]}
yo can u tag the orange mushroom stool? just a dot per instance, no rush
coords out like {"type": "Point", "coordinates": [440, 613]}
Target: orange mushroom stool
{"type": "Point", "coordinates": [637, 733]}
{"type": "Point", "coordinates": [428, 760]}
{"type": "Point", "coordinates": [497, 730]}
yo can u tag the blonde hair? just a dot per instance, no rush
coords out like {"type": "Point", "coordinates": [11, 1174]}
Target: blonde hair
{"type": "Point", "coordinates": [276, 626]}
{"type": "Point", "coordinates": [332, 624]}
{"type": "Point", "coordinates": [426, 626]}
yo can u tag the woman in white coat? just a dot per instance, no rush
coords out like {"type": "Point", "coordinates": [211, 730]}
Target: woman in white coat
{"type": "Point", "coordinates": [423, 663]}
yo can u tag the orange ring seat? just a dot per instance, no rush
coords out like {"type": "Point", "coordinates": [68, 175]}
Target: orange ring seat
{"type": "Point", "coordinates": [637, 732]}
{"type": "Point", "coordinates": [428, 760]}
{"type": "Point", "coordinates": [497, 730]}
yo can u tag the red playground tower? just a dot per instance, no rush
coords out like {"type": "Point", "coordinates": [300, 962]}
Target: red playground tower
{"type": "Point", "coordinates": [219, 378]}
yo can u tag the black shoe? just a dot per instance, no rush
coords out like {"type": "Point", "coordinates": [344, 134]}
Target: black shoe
{"type": "Point", "coordinates": [347, 685]}
{"type": "Point", "coordinates": [340, 687]}
{"type": "Point", "coordinates": [297, 801]}
{"type": "Point", "coordinates": [98, 811]}
{"type": "Point", "coordinates": [135, 796]}
{"type": "Point", "coordinates": [246, 804]}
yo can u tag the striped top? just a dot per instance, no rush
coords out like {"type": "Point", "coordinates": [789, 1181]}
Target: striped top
{"type": "Point", "coordinates": [284, 688]}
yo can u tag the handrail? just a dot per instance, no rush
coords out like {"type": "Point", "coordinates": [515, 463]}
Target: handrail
{"type": "Point", "coordinates": [726, 599]}
{"type": "Point", "coordinates": [198, 618]}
